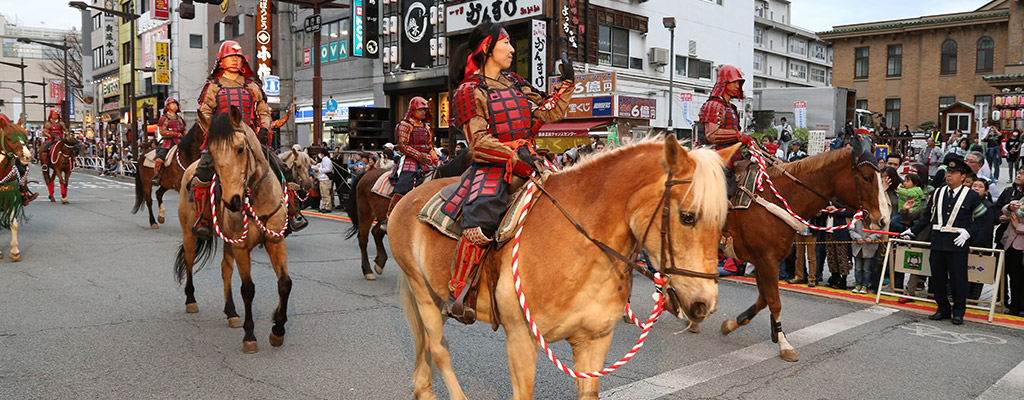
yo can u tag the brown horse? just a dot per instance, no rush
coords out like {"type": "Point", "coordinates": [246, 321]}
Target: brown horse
{"type": "Point", "coordinates": [60, 162]}
{"type": "Point", "coordinates": [244, 177]}
{"type": "Point", "coordinates": [615, 196]}
{"type": "Point", "coordinates": [12, 140]}
{"type": "Point", "coordinates": [365, 208]}
{"type": "Point", "coordinates": [849, 175]}
{"type": "Point", "coordinates": [170, 175]}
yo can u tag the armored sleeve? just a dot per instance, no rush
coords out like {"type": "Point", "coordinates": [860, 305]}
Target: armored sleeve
{"type": "Point", "coordinates": [402, 133]}
{"type": "Point", "coordinates": [469, 110]}
{"type": "Point", "coordinates": [548, 109]}
{"type": "Point", "coordinates": [207, 106]}
{"type": "Point", "coordinates": [260, 106]}
{"type": "Point", "coordinates": [713, 113]}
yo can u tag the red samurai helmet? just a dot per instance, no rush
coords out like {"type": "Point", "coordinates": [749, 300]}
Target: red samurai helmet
{"type": "Point", "coordinates": [54, 113]}
{"type": "Point", "coordinates": [726, 75]}
{"type": "Point", "coordinates": [231, 48]}
{"type": "Point", "coordinates": [168, 102]}
{"type": "Point", "coordinates": [418, 103]}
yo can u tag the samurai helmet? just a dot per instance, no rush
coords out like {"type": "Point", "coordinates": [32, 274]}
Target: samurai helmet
{"type": "Point", "coordinates": [231, 48]}
{"type": "Point", "coordinates": [726, 75]}
{"type": "Point", "coordinates": [418, 103]}
{"type": "Point", "coordinates": [54, 113]}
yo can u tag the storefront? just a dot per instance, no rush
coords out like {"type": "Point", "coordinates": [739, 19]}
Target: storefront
{"type": "Point", "coordinates": [335, 120]}
{"type": "Point", "coordinates": [1009, 111]}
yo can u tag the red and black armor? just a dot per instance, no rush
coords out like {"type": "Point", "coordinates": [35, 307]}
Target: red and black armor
{"type": "Point", "coordinates": [717, 110]}
{"type": "Point", "coordinates": [55, 131]}
{"type": "Point", "coordinates": [511, 117]}
{"type": "Point", "coordinates": [239, 97]}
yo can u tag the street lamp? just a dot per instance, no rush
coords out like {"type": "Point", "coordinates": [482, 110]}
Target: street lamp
{"type": "Point", "coordinates": [670, 23]}
{"type": "Point", "coordinates": [22, 67]}
{"type": "Point", "coordinates": [130, 16]}
{"type": "Point", "coordinates": [65, 111]}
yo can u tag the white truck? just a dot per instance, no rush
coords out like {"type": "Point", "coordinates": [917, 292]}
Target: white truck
{"type": "Point", "coordinates": [828, 108]}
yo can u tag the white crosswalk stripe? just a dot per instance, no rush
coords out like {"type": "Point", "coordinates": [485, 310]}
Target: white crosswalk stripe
{"type": "Point", "coordinates": [1011, 386]}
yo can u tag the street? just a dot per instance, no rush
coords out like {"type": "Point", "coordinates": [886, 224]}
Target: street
{"type": "Point", "coordinates": [93, 311]}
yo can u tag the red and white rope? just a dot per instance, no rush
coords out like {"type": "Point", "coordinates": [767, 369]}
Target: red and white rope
{"type": "Point", "coordinates": [248, 207]}
{"type": "Point", "coordinates": [762, 176]}
{"type": "Point", "coordinates": [658, 307]}
{"type": "Point", "coordinates": [216, 226]}
{"type": "Point", "coordinates": [177, 157]}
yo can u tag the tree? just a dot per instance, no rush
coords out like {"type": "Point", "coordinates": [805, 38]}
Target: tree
{"type": "Point", "coordinates": [54, 66]}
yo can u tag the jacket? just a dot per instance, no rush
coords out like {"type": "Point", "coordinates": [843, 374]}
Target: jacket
{"type": "Point", "coordinates": [1012, 238]}
{"type": "Point", "coordinates": [969, 218]}
{"type": "Point", "coordinates": [865, 250]}
{"type": "Point", "coordinates": [838, 219]}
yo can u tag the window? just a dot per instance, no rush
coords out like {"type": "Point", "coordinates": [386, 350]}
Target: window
{"type": "Point", "coordinates": [894, 63]}
{"type": "Point", "coordinates": [759, 9]}
{"type": "Point", "coordinates": [861, 104]}
{"type": "Point", "coordinates": [986, 47]}
{"type": "Point", "coordinates": [983, 99]}
{"type": "Point", "coordinates": [636, 63]}
{"type": "Point", "coordinates": [818, 52]}
{"type": "Point", "coordinates": [958, 121]}
{"type": "Point", "coordinates": [758, 64]}
{"type": "Point", "coordinates": [758, 84]}
{"type": "Point", "coordinates": [219, 32]}
{"type": "Point", "coordinates": [97, 22]}
{"type": "Point", "coordinates": [948, 63]}
{"type": "Point", "coordinates": [613, 46]}
{"type": "Point", "coordinates": [798, 47]}
{"type": "Point", "coordinates": [195, 41]}
{"type": "Point", "coordinates": [892, 112]}
{"type": "Point", "coordinates": [699, 69]}
{"type": "Point", "coordinates": [860, 63]}
{"type": "Point", "coordinates": [97, 57]}
{"type": "Point", "coordinates": [758, 35]}
{"type": "Point", "coordinates": [238, 26]}
{"type": "Point", "coordinates": [681, 65]}
{"type": "Point", "coordinates": [817, 75]}
{"type": "Point", "coordinates": [143, 6]}
{"type": "Point", "coordinates": [946, 101]}
{"type": "Point", "coordinates": [125, 49]}
{"type": "Point", "coordinates": [798, 71]}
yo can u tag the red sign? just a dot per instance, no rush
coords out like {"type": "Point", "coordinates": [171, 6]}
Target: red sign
{"type": "Point", "coordinates": [635, 107]}
{"type": "Point", "coordinates": [161, 9]}
{"type": "Point", "coordinates": [264, 39]}
{"type": "Point", "coordinates": [686, 96]}
{"type": "Point", "coordinates": [57, 90]}
{"type": "Point", "coordinates": [307, 56]}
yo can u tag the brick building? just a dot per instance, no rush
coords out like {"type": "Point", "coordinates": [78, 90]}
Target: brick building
{"type": "Point", "coordinates": [910, 69]}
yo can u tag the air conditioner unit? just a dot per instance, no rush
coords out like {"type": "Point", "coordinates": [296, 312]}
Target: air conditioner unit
{"type": "Point", "coordinates": [657, 56]}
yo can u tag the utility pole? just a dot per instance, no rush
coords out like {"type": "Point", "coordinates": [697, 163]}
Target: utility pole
{"type": "Point", "coordinates": [670, 23]}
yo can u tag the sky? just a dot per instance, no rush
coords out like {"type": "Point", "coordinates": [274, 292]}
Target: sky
{"type": "Point", "coordinates": [816, 15]}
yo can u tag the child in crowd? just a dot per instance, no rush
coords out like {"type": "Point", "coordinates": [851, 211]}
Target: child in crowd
{"type": "Point", "coordinates": [910, 196]}
{"type": "Point", "coordinates": [863, 252]}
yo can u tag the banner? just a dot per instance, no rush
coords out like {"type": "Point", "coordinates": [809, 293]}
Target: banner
{"type": "Point", "coordinates": [162, 59]}
{"type": "Point", "coordinates": [981, 268]}
{"type": "Point", "coordinates": [687, 99]}
{"type": "Point", "coordinates": [800, 111]}
{"type": "Point", "coordinates": [602, 82]}
{"type": "Point", "coordinates": [636, 107]}
{"type": "Point", "coordinates": [471, 13]}
{"type": "Point", "coordinates": [443, 110]}
{"type": "Point", "coordinates": [538, 50]}
{"type": "Point", "coordinates": [109, 36]}
{"type": "Point", "coordinates": [148, 39]}
{"type": "Point", "coordinates": [161, 9]}
{"type": "Point", "coordinates": [264, 39]}
{"type": "Point", "coordinates": [366, 28]}
{"type": "Point", "coordinates": [589, 107]}
{"type": "Point", "coordinates": [416, 34]}
{"type": "Point", "coordinates": [57, 90]}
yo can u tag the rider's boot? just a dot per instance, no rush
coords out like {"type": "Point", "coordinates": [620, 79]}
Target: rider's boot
{"type": "Point", "coordinates": [201, 198]}
{"type": "Point", "coordinates": [27, 195]}
{"type": "Point", "coordinates": [155, 181]}
{"type": "Point", "coordinates": [730, 181]}
{"type": "Point", "coordinates": [296, 220]}
{"type": "Point", "coordinates": [469, 252]}
{"type": "Point", "coordinates": [383, 225]}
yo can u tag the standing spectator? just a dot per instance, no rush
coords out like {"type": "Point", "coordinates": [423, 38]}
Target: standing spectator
{"type": "Point", "coordinates": [387, 160]}
{"type": "Point", "coordinates": [987, 223]}
{"type": "Point", "coordinates": [797, 153]}
{"type": "Point", "coordinates": [863, 254]}
{"type": "Point", "coordinates": [1013, 152]}
{"type": "Point", "coordinates": [599, 146]}
{"type": "Point", "coordinates": [993, 150]}
{"type": "Point", "coordinates": [979, 167]}
{"type": "Point", "coordinates": [894, 160]}
{"type": "Point", "coordinates": [932, 156]}
{"type": "Point", "coordinates": [910, 196]}
{"type": "Point", "coordinates": [805, 245]}
{"type": "Point", "coordinates": [961, 148]}
{"type": "Point", "coordinates": [323, 169]}
{"type": "Point", "coordinates": [1013, 242]}
{"type": "Point", "coordinates": [785, 136]}
{"type": "Point", "coordinates": [836, 253]}
{"type": "Point", "coordinates": [954, 140]}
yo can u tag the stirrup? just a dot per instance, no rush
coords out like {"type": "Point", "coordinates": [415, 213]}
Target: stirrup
{"type": "Point", "coordinates": [457, 307]}
{"type": "Point", "coordinates": [383, 225]}
{"type": "Point", "coordinates": [155, 180]}
{"type": "Point", "coordinates": [27, 196]}
{"type": "Point", "coordinates": [298, 222]}
{"type": "Point", "coordinates": [201, 228]}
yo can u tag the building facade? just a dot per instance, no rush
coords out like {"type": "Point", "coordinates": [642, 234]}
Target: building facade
{"type": "Point", "coordinates": [40, 94]}
{"type": "Point", "coordinates": [908, 70]}
{"type": "Point", "coordinates": [786, 55]}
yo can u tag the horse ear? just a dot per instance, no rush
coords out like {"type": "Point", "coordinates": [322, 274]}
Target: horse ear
{"type": "Point", "coordinates": [675, 154]}
{"type": "Point", "coordinates": [728, 152]}
{"type": "Point", "coordinates": [236, 116]}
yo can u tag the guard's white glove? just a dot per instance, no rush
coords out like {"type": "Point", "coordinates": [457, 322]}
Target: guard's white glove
{"type": "Point", "coordinates": [907, 234]}
{"type": "Point", "coordinates": [961, 239]}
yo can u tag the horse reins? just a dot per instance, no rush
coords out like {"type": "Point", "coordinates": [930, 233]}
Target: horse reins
{"type": "Point", "coordinates": [839, 204]}
{"type": "Point", "coordinates": [666, 234]}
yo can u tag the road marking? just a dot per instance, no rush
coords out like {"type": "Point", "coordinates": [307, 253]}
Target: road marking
{"type": "Point", "coordinates": [1010, 386]}
{"type": "Point", "coordinates": [925, 330]}
{"type": "Point", "coordinates": [682, 378]}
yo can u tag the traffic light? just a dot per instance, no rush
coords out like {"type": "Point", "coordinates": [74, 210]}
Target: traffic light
{"type": "Point", "coordinates": [187, 9]}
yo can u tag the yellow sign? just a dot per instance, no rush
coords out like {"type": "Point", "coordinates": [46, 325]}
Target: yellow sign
{"type": "Point", "coordinates": [442, 110]}
{"type": "Point", "coordinates": [139, 103]}
{"type": "Point", "coordinates": [161, 56]}
{"type": "Point", "coordinates": [224, 6]}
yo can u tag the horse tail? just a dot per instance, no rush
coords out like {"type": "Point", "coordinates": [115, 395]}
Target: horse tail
{"type": "Point", "coordinates": [412, 314]}
{"type": "Point", "coordinates": [352, 207]}
{"type": "Point", "coordinates": [140, 193]}
{"type": "Point", "coordinates": [204, 249]}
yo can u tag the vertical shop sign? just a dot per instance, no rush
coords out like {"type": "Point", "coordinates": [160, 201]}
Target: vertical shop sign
{"type": "Point", "coordinates": [539, 65]}
{"type": "Point", "coordinates": [264, 39]}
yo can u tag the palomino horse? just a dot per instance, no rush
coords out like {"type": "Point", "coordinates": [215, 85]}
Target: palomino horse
{"type": "Point", "coordinates": [849, 175]}
{"type": "Point", "coordinates": [61, 162]}
{"type": "Point", "coordinates": [365, 208]}
{"type": "Point", "coordinates": [170, 175]}
{"type": "Point", "coordinates": [616, 197]}
{"type": "Point", "coordinates": [295, 167]}
{"type": "Point", "coordinates": [249, 211]}
{"type": "Point", "coordinates": [12, 141]}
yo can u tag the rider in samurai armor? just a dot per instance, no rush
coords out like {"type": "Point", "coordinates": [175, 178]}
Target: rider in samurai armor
{"type": "Point", "coordinates": [500, 113]}
{"type": "Point", "coordinates": [719, 123]}
{"type": "Point", "coordinates": [54, 131]}
{"type": "Point", "coordinates": [231, 83]}
{"type": "Point", "coordinates": [172, 128]}
{"type": "Point", "coordinates": [415, 142]}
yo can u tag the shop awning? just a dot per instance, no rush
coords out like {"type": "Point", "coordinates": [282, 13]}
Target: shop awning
{"type": "Point", "coordinates": [572, 128]}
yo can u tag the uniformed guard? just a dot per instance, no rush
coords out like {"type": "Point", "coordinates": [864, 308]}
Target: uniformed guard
{"type": "Point", "coordinates": [415, 142]}
{"type": "Point", "coordinates": [172, 128]}
{"type": "Point", "coordinates": [54, 131]}
{"type": "Point", "coordinates": [954, 212]}
{"type": "Point", "coordinates": [719, 123]}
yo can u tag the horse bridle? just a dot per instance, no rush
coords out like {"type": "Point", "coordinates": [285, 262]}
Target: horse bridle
{"type": "Point", "coordinates": [666, 235]}
{"type": "Point", "coordinates": [834, 201]}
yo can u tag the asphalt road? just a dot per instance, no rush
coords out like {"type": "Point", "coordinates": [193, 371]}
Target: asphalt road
{"type": "Point", "coordinates": [93, 311]}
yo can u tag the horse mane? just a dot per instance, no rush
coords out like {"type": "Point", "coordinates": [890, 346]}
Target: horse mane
{"type": "Point", "coordinates": [188, 140]}
{"type": "Point", "coordinates": [220, 129]}
{"type": "Point", "coordinates": [595, 157]}
{"type": "Point", "coordinates": [816, 162]}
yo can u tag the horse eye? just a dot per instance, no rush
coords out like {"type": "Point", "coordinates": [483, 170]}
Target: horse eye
{"type": "Point", "coordinates": [240, 149]}
{"type": "Point", "coordinates": [687, 218]}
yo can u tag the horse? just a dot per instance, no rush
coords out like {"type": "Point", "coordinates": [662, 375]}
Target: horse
{"type": "Point", "coordinates": [247, 193]}
{"type": "Point", "coordinates": [170, 175]}
{"type": "Point", "coordinates": [364, 208]}
{"type": "Point", "coordinates": [13, 139]}
{"type": "Point", "coordinates": [61, 163]}
{"type": "Point", "coordinates": [575, 291]}
{"type": "Point", "coordinates": [848, 175]}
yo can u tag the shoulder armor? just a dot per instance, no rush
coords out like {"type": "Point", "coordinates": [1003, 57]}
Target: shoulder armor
{"type": "Point", "coordinates": [463, 106]}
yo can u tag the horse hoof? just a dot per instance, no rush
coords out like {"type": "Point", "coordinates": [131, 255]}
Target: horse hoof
{"type": "Point", "coordinates": [729, 325]}
{"type": "Point", "coordinates": [160, 220]}
{"type": "Point", "coordinates": [378, 268]}
{"type": "Point", "coordinates": [154, 226]}
{"type": "Point", "coordinates": [250, 347]}
{"type": "Point", "coordinates": [789, 355]}
{"type": "Point", "coordinates": [275, 340]}
{"type": "Point", "coordinates": [693, 327]}
{"type": "Point", "coordinates": [369, 277]}
{"type": "Point", "coordinates": [52, 199]}
{"type": "Point", "coordinates": [15, 257]}
{"type": "Point", "coordinates": [191, 308]}
{"type": "Point", "coordinates": [234, 322]}
{"type": "Point", "coordinates": [64, 200]}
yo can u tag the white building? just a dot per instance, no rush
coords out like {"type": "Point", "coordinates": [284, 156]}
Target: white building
{"type": "Point", "coordinates": [34, 56]}
{"type": "Point", "coordinates": [786, 55]}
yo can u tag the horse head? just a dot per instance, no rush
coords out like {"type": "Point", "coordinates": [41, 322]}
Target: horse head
{"type": "Point", "coordinates": [14, 138]}
{"type": "Point", "coordinates": [235, 152]}
{"type": "Point", "coordinates": [297, 164]}
{"type": "Point", "coordinates": [692, 207]}
{"type": "Point", "coordinates": [863, 187]}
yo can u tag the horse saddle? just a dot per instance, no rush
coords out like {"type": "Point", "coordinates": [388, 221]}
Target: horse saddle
{"type": "Point", "coordinates": [150, 160]}
{"type": "Point", "coordinates": [746, 174]}
{"type": "Point", "coordinates": [383, 186]}
{"type": "Point", "coordinates": [432, 214]}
